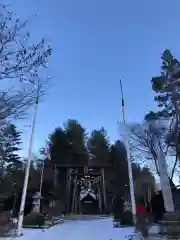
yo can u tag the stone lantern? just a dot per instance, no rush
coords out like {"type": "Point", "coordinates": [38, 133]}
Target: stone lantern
{"type": "Point", "coordinates": [36, 202]}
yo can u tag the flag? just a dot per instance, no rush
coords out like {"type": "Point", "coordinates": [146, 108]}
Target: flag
{"type": "Point", "coordinates": [47, 152]}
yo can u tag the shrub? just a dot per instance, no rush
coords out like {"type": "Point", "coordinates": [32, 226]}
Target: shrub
{"type": "Point", "coordinates": [126, 219]}
{"type": "Point", "coordinates": [117, 216]}
{"type": "Point", "coordinates": [34, 219]}
{"type": "Point", "coordinates": [118, 208]}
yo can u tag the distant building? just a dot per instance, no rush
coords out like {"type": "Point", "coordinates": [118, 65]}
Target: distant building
{"type": "Point", "coordinates": [88, 202]}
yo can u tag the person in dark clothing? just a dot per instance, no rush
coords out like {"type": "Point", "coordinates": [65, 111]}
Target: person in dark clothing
{"type": "Point", "coordinates": [117, 209]}
{"type": "Point", "coordinates": [158, 208]}
{"type": "Point", "coordinates": [149, 214]}
{"type": "Point", "coordinates": [141, 217]}
{"type": "Point", "coordinates": [148, 208]}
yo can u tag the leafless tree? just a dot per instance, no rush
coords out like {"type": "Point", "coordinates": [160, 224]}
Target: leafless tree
{"type": "Point", "coordinates": [20, 64]}
{"type": "Point", "coordinates": [145, 142]}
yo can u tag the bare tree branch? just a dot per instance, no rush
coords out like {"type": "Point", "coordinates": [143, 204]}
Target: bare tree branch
{"type": "Point", "coordinates": [18, 59]}
{"type": "Point", "coordinates": [145, 142]}
{"type": "Point", "coordinates": [21, 63]}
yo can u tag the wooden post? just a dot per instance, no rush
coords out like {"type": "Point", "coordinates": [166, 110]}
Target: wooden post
{"type": "Point", "coordinates": [74, 194]}
{"type": "Point", "coordinates": [79, 202]}
{"type": "Point", "coordinates": [69, 189]}
{"type": "Point", "coordinates": [67, 179]}
{"type": "Point", "coordinates": [76, 197]}
{"type": "Point", "coordinates": [99, 194]}
{"type": "Point", "coordinates": [75, 202]}
{"type": "Point", "coordinates": [104, 190]}
{"type": "Point", "coordinates": [86, 169]}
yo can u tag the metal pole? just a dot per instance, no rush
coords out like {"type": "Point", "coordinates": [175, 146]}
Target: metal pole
{"type": "Point", "coordinates": [24, 193]}
{"type": "Point", "coordinates": [128, 160]}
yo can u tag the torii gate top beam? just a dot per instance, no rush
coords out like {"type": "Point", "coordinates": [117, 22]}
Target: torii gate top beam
{"type": "Point", "coordinates": [82, 165]}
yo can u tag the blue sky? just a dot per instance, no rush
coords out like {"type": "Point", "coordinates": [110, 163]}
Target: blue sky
{"type": "Point", "coordinates": [94, 44]}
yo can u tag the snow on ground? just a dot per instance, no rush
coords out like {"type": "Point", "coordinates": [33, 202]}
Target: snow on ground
{"type": "Point", "coordinates": [99, 229]}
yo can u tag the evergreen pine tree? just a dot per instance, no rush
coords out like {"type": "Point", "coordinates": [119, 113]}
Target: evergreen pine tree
{"type": "Point", "coordinates": [10, 140]}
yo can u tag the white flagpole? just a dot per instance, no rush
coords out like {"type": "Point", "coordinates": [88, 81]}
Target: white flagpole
{"type": "Point", "coordinates": [24, 193]}
{"type": "Point", "coordinates": [128, 159]}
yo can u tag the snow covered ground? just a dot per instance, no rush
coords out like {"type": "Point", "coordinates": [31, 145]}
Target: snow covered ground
{"type": "Point", "coordinates": [98, 229]}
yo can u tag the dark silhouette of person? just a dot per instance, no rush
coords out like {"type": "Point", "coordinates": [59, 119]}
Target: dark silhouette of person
{"type": "Point", "coordinates": [157, 204]}
{"type": "Point", "coordinates": [118, 207]}
{"type": "Point", "coordinates": [141, 217]}
{"type": "Point", "coordinates": [148, 208]}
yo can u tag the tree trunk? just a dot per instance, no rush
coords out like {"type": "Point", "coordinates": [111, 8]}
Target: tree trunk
{"type": "Point", "coordinates": [104, 189]}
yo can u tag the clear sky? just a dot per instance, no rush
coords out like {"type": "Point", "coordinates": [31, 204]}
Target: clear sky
{"type": "Point", "coordinates": [95, 43]}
